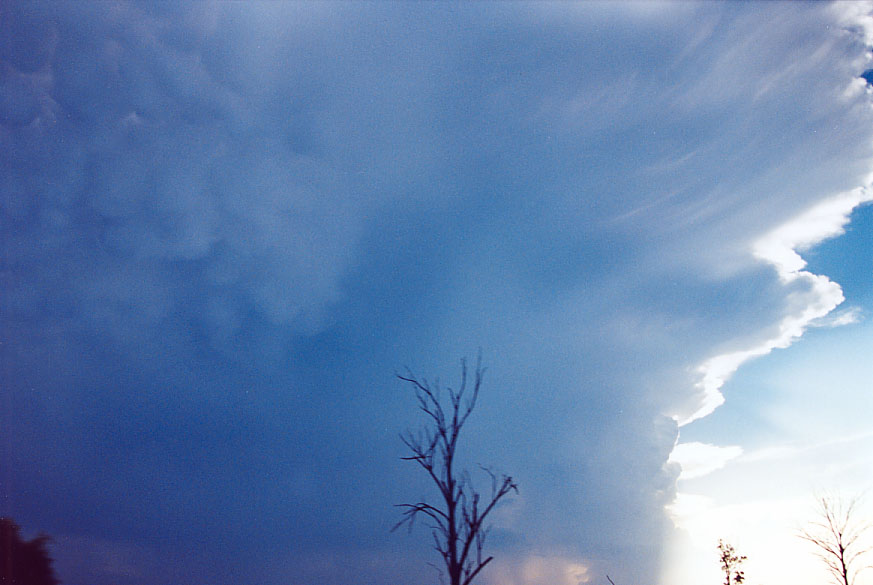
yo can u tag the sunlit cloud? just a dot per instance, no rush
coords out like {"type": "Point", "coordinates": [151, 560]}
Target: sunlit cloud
{"type": "Point", "coordinates": [827, 447]}
{"type": "Point", "coordinates": [688, 506]}
{"type": "Point", "coordinates": [765, 530]}
{"type": "Point", "coordinates": [856, 15]}
{"type": "Point", "coordinates": [699, 459]}
{"type": "Point", "coordinates": [812, 296]}
{"type": "Point", "coordinates": [541, 570]}
{"type": "Point", "coordinates": [825, 220]}
{"type": "Point", "coordinates": [839, 318]}
{"type": "Point", "coordinates": [762, 512]}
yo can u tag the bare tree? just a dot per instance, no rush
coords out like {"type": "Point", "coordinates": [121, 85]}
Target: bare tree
{"type": "Point", "coordinates": [458, 518]}
{"type": "Point", "coordinates": [838, 535]}
{"type": "Point", "coordinates": [730, 563]}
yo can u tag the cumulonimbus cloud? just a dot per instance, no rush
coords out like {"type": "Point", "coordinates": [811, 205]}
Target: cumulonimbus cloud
{"type": "Point", "coordinates": [232, 222]}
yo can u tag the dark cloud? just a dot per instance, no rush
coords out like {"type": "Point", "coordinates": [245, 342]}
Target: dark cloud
{"type": "Point", "coordinates": [226, 225]}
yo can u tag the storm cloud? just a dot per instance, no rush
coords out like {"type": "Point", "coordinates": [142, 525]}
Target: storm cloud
{"type": "Point", "coordinates": [226, 225]}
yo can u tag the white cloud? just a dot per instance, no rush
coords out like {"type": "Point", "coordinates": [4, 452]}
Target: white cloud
{"type": "Point", "coordinates": [856, 14]}
{"type": "Point", "coordinates": [687, 506]}
{"type": "Point", "coordinates": [761, 513]}
{"type": "Point", "coordinates": [847, 316]}
{"type": "Point", "coordinates": [824, 220]}
{"type": "Point", "coordinates": [810, 298]}
{"type": "Point", "coordinates": [824, 450]}
{"type": "Point", "coordinates": [855, 88]}
{"type": "Point", "coordinates": [776, 452]}
{"type": "Point", "coordinates": [699, 459]}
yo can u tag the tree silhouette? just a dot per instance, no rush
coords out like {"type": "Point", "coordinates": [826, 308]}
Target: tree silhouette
{"type": "Point", "coordinates": [458, 519]}
{"type": "Point", "coordinates": [730, 563]}
{"type": "Point", "coordinates": [24, 562]}
{"type": "Point", "coordinates": [837, 533]}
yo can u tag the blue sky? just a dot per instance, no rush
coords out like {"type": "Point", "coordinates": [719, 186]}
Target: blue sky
{"type": "Point", "coordinates": [225, 226]}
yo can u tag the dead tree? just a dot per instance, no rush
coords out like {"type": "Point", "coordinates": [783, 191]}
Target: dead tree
{"type": "Point", "coordinates": [838, 535]}
{"type": "Point", "coordinates": [457, 519]}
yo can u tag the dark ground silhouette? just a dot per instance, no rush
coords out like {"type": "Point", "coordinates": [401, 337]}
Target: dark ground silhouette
{"type": "Point", "coordinates": [24, 562]}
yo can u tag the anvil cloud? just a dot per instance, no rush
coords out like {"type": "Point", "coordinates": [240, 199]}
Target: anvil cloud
{"type": "Point", "coordinates": [226, 225]}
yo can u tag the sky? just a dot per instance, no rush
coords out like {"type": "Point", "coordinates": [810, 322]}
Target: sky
{"type": "Point", "coordinates": [227, 226]}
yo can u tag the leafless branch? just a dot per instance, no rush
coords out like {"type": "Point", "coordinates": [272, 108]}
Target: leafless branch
{"type": "Point", "coordinates": [838, 537]}
{"type": "Point", "coordinates": [458, 521]}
